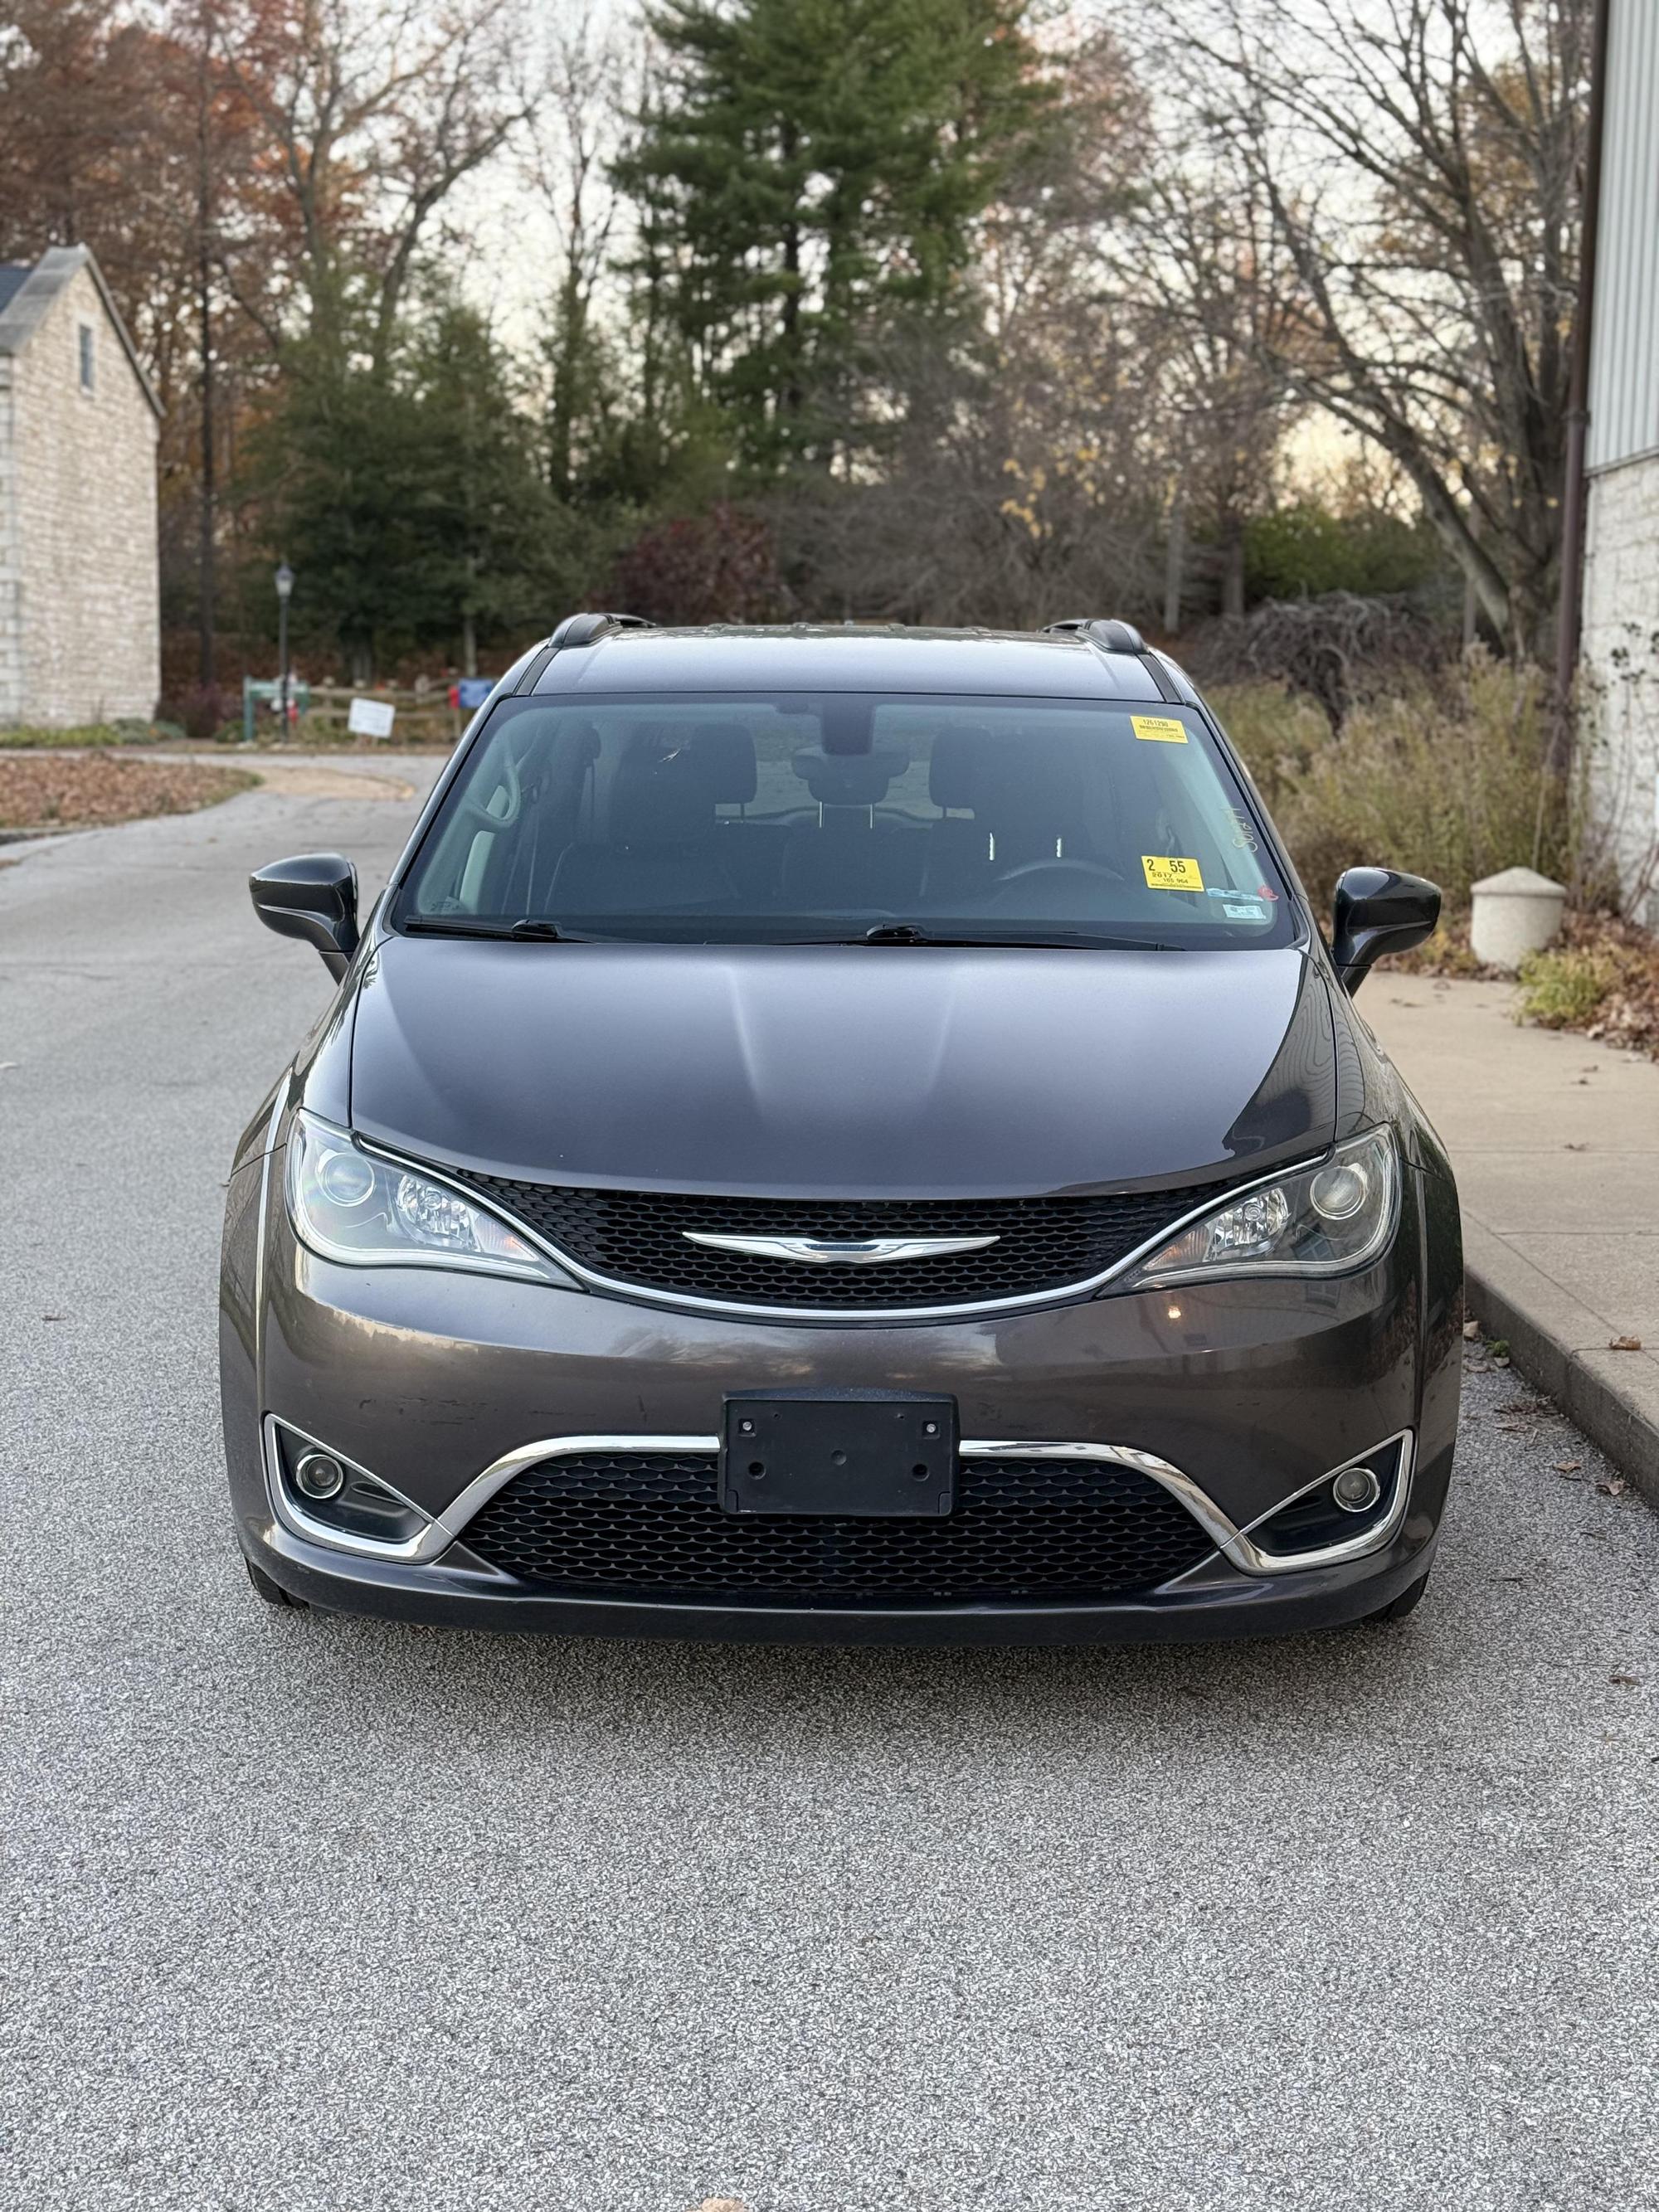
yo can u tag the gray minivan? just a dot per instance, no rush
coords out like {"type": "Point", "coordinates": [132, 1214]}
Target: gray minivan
{"type": "Point", "coordinates": [843, 1132]}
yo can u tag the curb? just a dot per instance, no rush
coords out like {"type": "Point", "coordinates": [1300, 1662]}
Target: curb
{"type": "Point", "coordinates": [1562, 1346]}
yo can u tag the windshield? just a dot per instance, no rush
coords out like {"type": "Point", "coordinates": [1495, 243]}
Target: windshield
{"type": "Point", "coordinates": [807, 818]}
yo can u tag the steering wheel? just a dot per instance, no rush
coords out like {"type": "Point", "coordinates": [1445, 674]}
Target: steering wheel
{"type": "Point", "coordinates": [1010, 883]}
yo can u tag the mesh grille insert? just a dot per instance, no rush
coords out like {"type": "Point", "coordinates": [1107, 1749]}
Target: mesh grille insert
{"type": "Point", "coordinates": [1043, 1244]}
{"type": "Point", "coordinates": [647, 1525]}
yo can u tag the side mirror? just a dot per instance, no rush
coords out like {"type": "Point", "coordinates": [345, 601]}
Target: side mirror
{"type": "Point", "coordinates": [1378, 910]}
{"type": "Point", "coordinates": [313, 897]}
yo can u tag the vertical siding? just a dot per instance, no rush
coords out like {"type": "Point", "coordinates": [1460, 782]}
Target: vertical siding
{"type": "Point", "coordinates": [1624, 398]}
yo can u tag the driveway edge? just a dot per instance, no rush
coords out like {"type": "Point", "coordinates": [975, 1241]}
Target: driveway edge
{"type": "Point", "coordinates": [1562, 1346]}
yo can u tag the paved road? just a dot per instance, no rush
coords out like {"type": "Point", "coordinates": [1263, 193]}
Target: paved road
{"type": "Point", "coordinates": [339, 1917]}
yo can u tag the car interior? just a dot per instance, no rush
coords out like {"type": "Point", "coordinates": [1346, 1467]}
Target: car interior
{"type": "Point", "coordinates": [918, 811]}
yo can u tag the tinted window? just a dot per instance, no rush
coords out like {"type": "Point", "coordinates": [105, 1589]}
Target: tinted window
{"type": "Point", "coordinates": [794, 817]}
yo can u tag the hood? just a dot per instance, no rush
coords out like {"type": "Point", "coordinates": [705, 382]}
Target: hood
{"type": "Point", "coordinates": [877, 1071]}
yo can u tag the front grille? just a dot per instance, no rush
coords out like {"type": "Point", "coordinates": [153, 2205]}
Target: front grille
{"type": "Point", "coordinates": [636, 1237]}
{"type": "Point", "coordinates": [649, 1525]}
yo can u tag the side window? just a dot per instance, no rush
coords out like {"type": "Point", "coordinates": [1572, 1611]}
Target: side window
{"type": "Point", "coordinates": [88, 358]}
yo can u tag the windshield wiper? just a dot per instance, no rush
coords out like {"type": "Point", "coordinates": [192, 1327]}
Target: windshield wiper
{"type": "Point", "coordinates": [455, 925]}
{"type": "Point", "coordinates": [910, 932]}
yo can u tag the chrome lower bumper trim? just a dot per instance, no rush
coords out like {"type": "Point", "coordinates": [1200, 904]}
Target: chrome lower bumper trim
{"type": "Point", "coordinates": [1232, 1541]}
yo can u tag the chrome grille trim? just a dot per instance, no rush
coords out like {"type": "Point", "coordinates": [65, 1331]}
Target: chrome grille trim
{"type": "Point", "coordinates": [683, 1301]}
{"type": "Point", "coordinates": [1232, 1542]}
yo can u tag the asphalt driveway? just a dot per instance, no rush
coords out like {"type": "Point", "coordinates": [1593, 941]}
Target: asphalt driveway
{"type": "Point", "coordinates": [340, 1917]}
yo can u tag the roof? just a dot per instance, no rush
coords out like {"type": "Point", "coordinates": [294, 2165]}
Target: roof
{"type": "Point", "coordinates": [853, 657]}
{"type": "Point", "coordinates": [27, 294]}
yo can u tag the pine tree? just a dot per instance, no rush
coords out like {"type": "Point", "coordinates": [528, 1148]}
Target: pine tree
{"type": "Point", "coordinates": [809, 172]}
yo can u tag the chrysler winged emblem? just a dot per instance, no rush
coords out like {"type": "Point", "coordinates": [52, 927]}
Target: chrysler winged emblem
{"type": "Point", "coordinates": [841, 1251]}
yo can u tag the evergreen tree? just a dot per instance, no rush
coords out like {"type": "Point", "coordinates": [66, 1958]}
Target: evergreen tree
{"type": "Point", "coordinates": [808, 173]}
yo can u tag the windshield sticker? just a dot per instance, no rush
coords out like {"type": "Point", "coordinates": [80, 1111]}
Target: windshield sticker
{"type": "Point", "coordinates": [1161, 729]}
{"type": "Point", "coordinates": [1247, 910]}
{"type": "Point", "coordinates": [1164, 873]}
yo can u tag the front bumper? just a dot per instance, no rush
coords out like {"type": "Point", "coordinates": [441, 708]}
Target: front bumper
{"type": "Point", "coordinates": [1251, 1391]}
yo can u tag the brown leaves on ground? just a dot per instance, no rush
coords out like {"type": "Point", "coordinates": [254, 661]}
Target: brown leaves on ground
{"type": "Point", "coordinates": [49, 791]}
{"type": "Point", "coordinates": [1623, 1344]}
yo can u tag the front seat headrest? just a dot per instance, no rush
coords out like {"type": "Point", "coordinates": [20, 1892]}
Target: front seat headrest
{"type": "Point", "coordinates": [850, 779]}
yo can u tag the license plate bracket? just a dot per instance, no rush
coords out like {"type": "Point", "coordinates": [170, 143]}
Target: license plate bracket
{"type": "Point", "coordinates": [865, 1455]}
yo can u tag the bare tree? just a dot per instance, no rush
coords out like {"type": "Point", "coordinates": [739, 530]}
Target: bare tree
{"type": "Point", "coordinates": [375, 111]}
{"type": "Point", "coordinates": [573, 136]}
{"type": "Point", "coordinates": [1202, 255]}
{"type": "Point", "coordinates": [1420, 161]}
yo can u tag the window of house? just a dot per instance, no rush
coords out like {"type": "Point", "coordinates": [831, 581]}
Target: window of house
{"type": "Point", "coordinates": [88, 362]}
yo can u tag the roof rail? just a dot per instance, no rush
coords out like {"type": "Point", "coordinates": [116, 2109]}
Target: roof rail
{"type": "Point", "coordinates": [584, 628]}
{"type": "Point", "coordinates": [1111, 637]}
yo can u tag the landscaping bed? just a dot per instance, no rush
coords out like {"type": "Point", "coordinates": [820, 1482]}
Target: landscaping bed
{"type": "Point", "coordinates": [91, 791]}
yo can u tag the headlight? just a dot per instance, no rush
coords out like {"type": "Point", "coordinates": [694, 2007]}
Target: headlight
{"type": "Point", "coordinates": [1323, 1221]}
{"type": "Point", "coordinates": [347, 1204]}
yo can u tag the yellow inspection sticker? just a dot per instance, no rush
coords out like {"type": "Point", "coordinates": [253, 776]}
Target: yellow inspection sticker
{"type": "Point", "coordinates": [1164, 874]}
{"type": "Point", "coordinates": [1163, 729]}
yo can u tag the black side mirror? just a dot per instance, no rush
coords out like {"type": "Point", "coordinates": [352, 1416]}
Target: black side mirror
{"type": "Point", "coordinates": [313, 897]}
{"type": "Point", "coordinates": [1378, 910]}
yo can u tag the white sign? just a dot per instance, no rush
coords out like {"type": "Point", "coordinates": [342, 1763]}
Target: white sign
{"type": "Point", "coordinates": [370, 717]}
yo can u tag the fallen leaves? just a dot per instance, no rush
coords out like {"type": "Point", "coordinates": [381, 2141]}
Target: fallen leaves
{"type": "Point", "coordinates": [1566, 1466]}
{"type": "Point", "coordinates": [1615, 1486]}
{"type": "Point", "coordinates": [1623, 1344]}
{"type": "Point", "coordinates": [48, 791]}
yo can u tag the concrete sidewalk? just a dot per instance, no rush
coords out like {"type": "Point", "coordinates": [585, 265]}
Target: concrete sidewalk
{"type": "Point", "coordinates": [1556, 1144]}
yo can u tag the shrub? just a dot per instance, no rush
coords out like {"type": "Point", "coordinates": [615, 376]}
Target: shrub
{"type": "Point", "coordinates": [202, 711]}
{"type": "Point", "coordinates": [1304, 551]}
{"type": "Point", "coordinates": [1562, 990]}
{"type": "Point", "coordinates": [720, 566]}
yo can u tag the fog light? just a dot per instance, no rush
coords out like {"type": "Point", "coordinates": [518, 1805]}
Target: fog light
{"type": "Point", "coordinates": [1356, 1490]}
{"type": "Point", "coordinates": [318, 1476]}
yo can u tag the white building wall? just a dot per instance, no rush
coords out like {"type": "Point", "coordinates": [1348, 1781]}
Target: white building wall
{"type": "Point", "coordinates": [1621, 662]}
{"type": "Point", "coordinates": [85, 643]}
{"type": "Point", "coordinates": [11, 577]}
{"type": "Point", "coordinates": [1621, 646]}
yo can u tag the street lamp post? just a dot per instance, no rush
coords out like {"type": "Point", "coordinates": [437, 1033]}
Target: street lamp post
{"type": "Point", "coordinates": [284, 593]}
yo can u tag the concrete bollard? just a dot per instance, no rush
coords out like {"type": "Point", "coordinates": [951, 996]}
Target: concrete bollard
{"type": "Point", "coordinates": [1516, 913]}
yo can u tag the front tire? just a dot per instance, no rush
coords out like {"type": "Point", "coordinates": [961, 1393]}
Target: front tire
{"type": "Point", "coordinates": [1397, 1608]}
{"type": "Point", "coordinates": [273, 1593]}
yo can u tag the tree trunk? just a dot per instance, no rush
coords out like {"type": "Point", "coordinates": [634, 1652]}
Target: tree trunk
{"type": "Point", "coordinates": [1232, 563]}
{"type": "Point", "coordinates": [1175, 562]}
{"type": "Point", "coordinates": [206, 582]}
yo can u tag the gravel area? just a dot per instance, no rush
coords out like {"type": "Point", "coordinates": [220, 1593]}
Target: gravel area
{"type": "Point", "coordinates": [330, 1915]}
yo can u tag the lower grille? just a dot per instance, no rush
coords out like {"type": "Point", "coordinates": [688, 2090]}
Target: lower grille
{"type": "Point", "coordinates": [637, 1236]}
{"type": "Point", "coordinates": [648, 1525]}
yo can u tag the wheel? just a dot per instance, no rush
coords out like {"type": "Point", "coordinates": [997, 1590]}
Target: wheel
{"type": "Point", "coordinates": [273, 1593]}
{"type": "Point", "coordinates": [1397, 1608]}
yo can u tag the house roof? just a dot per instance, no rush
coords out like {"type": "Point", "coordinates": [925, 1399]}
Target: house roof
{"type": "Point", "coordinates": [26, 293]}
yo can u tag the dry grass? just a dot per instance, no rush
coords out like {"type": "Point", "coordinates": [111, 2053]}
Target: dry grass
{"type": "Point", "coordinates": [1443, 775]}
{"type": "Point", "coordinates": [52, 791]}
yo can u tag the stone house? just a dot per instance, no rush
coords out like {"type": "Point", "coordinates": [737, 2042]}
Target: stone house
{"type": "Point", "coordinates": [1620, 641]}
{"type": "Point", "coordinates": [79, 609]}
